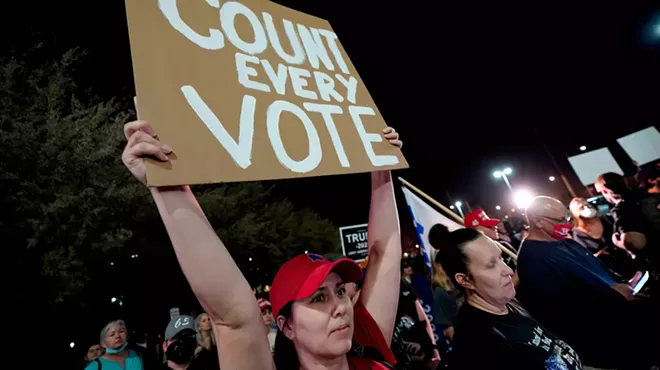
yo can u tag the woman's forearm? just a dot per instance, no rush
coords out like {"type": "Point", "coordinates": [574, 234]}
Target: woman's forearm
{"type": "Point", "coordinates": [212, 274]}
{"type": "Point", "coordinates": [380, 292]}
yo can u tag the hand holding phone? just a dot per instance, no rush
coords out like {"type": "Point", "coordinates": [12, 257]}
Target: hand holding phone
{"type": "Point", "coordinates": [638, 281]}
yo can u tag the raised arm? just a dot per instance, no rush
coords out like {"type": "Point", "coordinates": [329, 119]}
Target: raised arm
{"type": "Point", "coordinates": [211, 272]}
{"type": "Point", "coordinates": [380, 292]}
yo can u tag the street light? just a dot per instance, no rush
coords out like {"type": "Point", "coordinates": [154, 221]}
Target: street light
{"type": "Point", "coordinates": [551, 178]}
{"type": "Point", "coordinates": [250, 259]}
{"type": "Point", "coordinates": [583, 148]}
{"type": "Point", "coordinates": [72, 344]}
{"type": "Point", "coordinates": [503, 174]}
{"type": "Point", "coordinates": [460, 210]}
{"type": "Point", "coordinates": [498, 208]}
{"type": "Point", "coordinates": [451, 206]}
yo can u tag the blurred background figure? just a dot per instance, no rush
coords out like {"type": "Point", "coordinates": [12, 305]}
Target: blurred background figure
{"type": "Point", "coordinates": [114, 338]}
{"type": "Point", "coordinates": [648, 178]}
{"type": "Point", "coordinates": [413, 342]}
{"type": "Point", "coordinates": [180, 344]}
{"type": "Point", "coordinates": [507, 234]}
{"type": "Point", "coordinates": [267, 317]}
{"type": "Point", "coordinates": [595, 233]}
{"type": "Point", "coordinates": [206, 353]}
{"type": "Point", "coordinates": [636, 217]}
{"type": "Point", "coordinates": [445, 308]}
{"type": "Point", "coordinates": [406, 271]}
{"type": "Point", "coordinates": [95, 351]}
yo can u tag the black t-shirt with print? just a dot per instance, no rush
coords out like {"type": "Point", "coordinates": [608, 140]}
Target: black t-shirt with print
{"type": "Point", "coordinates": [512, 341]}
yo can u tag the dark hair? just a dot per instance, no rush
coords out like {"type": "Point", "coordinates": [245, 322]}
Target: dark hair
{"type": "Point", "coordinates": [647, 173]}
{"type": "Point", "coordinates": [285, 355]}
{"type": "Point", "coordinates": [451, 249]}
{"type": "Point", "coordinates": [614, 182]}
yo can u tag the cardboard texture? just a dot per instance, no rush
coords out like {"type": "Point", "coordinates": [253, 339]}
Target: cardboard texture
{"type": "Point", "coordinates": [243, 90]}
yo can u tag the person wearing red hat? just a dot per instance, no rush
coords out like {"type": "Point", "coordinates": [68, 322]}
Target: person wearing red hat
{"type": "Point", "coordinates": [267, 317]}
{"type": "Point", "coordinates": [319, 327]}
{"type": "Point", "coordinates": [478, 219]}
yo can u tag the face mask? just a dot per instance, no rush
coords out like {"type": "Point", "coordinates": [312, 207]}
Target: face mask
{"type": "Point", "coordinates": [588, 212]}
{"type": "Point", "coordinates": [560, 231]}
{"type": "Point", "coordinates": [182, 350]}
{"type": "Point", "coordinates": [114, 351]}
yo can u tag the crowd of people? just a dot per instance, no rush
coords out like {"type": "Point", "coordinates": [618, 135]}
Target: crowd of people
{"type": "Point", "coordinates": [557, 295]}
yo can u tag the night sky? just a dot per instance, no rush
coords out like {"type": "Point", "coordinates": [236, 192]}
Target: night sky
{"type": "Point", "coordinates": [504, 81]}
{"type": "Point", "coordinates": [500, 78]}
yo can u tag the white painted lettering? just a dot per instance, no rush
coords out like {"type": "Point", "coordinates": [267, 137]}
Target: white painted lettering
{"type": "Point", "coordinates": [277, 79]}
{"type": "Point", "coordinates": [351, 86]}
{"type": "Point", "coordinates": [214, 41]}
{"type": "Point", "coordinates": [327, 111]}
{"type": "Point", "coordinates": [314, 47]}
{"type": "Point", "coordinates": [299, 83]}
{"type": "Point", "coordinates": [333, 43]}
{"type": "Point", "coordinates": [240, 152]}
{"type": "Point", "coordinates": [326, 87]}
{"type": "Point", "coordinates": [228, 14]}
{"type": "Point", "coordinates": [244, 72]}
{"type": "Point", "coordinates": [273, 115]}
{"type": "Point", "coordinates": [298, 56]}
{"type": "Point", "coordinates": [367, 139]}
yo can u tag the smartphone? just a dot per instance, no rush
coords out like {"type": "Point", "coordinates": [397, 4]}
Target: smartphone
{"type": "Point", "coordinates": [640, 283]}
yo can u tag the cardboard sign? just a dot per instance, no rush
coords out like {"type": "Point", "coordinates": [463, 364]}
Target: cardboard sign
{"type": "Point", "coordinates": [250, 90]}
{"type": "Point", "coordinates": [354, 242]}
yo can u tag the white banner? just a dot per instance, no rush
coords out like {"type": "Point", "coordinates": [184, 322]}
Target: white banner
{"type": "Point", "coordinates": [588, 166]}
{"type": "Point", "coordinates": [424, 217]}
{"type": "Point", "coordinates": [642, 146]}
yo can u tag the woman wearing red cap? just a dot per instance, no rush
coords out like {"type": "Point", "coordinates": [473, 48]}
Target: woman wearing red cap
{"type": "Point", "coordinates": [318, 325]}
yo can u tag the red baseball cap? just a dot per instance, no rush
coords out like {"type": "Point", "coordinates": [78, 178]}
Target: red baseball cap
{"type": "Point", "coordinates": [479, 218]}
{"type": "Point", "coordinates": [263, 303]}
{"type": "Point", "coordinates": [301, 276]}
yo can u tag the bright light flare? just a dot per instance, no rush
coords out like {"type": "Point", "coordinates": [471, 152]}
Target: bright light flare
{"type": "Point", "coordinates": [522, 198]}
{"type": "Point", "coordinates": [459, 204]}
{"type": "Point", "coordinates": [551, 178]}
{"type": "Point", "coordinates": [508, 171]}
{"type": "Point", "coordinates": [498, 208]}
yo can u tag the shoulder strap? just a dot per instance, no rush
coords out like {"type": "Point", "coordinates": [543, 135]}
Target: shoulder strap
{"type": "Point", "coordinates": [358, 350]}
{"type": "Point", "coordinates": [98, 363]}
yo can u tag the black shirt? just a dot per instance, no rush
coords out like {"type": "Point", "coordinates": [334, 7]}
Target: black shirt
{"type": "Point", "coordinates": [409, 329]}
{"type": "Point", "coordinates": [640, 212]}
{"type": "Point", "coordinates": [512, 341]}
{"type": "Point", "coordinates": [206, 359]}
{"type": "Point", "coordinates": [617, 260]}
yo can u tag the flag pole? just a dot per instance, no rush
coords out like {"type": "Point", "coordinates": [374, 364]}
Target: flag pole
{"type": "Point", "coordinates": [449, 212]}
{"type": "Point", "coordinates": [433, 201]}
